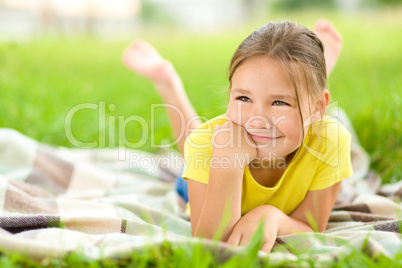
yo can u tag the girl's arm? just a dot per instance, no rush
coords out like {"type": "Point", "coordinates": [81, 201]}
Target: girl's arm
{"type": "Point", "coordinates": [210, 202]}
{"type": "Point", "coordinates": [220, 200]}
{"type": "Point", "coordinates": [318, 204]}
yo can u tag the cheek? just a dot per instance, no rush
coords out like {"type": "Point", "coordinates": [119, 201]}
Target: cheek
{"type": "Point", "coordinates": [237, 113]}
{"type": "Point", "coordinates": [291, 126]}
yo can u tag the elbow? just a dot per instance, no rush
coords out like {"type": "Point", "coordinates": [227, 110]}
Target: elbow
{"type": "Point", "coordinates": [212, 236]}
{"type": "Point", "coordinates": [214, 233]}
{"type": "Point", "coordinates": [322, 227]}
{"type": "Point", "coordinates": [203, 233]}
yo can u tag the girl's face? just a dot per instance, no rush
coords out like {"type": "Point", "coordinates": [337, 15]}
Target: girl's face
{"type": "Point", "coordinates": [263, 101]}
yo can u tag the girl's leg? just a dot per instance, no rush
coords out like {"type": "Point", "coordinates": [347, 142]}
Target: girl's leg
{"type": "Point", "coordinates": [332, 41]}
{"type": "Point", "coordinates": [143, 59]}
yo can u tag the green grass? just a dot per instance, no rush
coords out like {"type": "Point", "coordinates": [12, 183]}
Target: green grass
{"type": "Point", "coordinates": [42, 79]}
{"type": "Point", "coordinates": [199, 256]}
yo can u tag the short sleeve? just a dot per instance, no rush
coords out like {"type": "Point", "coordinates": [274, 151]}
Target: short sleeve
{"type": "Point", "coordinates": [197, 156]}
{"type": "Point", "coordinates": [335, 164]}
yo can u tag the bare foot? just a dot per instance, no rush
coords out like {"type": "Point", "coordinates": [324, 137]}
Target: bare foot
{"type": "Point", "coordinates": [143, 59]}
{"type": "Point", "coordinates": [332, 41]}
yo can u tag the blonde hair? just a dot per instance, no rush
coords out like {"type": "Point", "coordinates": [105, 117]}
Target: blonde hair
{"type": "Point", "coordinates": [296, 49]}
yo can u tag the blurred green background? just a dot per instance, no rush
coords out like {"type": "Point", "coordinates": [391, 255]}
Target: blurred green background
{"type": "Point", "coordinates": [42, 78]}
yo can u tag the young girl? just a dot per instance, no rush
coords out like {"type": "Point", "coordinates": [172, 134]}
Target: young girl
{"type": "Point", "coordinates": [273, 157]}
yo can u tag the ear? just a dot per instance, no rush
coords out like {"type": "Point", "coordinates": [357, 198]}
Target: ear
{"type": "Point", "coordinates": [321, 105]}
{"type": "Point", "coordinates": [323, 102]}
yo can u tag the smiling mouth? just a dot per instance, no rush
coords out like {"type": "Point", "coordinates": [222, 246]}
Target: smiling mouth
{"type": "Point", "coordinates": [255, 137]}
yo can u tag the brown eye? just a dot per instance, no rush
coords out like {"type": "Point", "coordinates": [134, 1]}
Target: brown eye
{"type": "Point", "coordinates": [280, 103]}
{"type": "Point", "coordinates": [243, 98]}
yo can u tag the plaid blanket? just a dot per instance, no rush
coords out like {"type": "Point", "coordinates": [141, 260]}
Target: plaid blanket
{"type": "Point", "coordinates": [108, 203]}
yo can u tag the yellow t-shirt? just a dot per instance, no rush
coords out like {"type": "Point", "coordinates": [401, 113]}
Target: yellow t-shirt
{"type": "Point", "coordinates": [322, 161]}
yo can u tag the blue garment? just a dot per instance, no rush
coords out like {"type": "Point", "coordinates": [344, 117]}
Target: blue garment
{"type": "Point", "coordinates": [181, 187]}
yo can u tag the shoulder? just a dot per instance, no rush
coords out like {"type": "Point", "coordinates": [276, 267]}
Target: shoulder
{"type": "Point", "coordinates": [326, 139]}
{"type": "Point", "coordinates": [205, 130]}
{"type": "Point", "coordinates": [330, 146]}
{"type": "Point", "coordinates": [198, 150]}
{"type": "Point", "coordinates": [333, 129]}
{"type": "Point", "coordinates": [200, 138]}
{"type": "Point", "coordinates": [329, 130]}
{"type": "Point", "coordinates": [219, 120]}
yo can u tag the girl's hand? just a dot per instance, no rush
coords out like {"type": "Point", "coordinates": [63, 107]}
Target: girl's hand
{"type": "Point", "coordinates": [233, 142]}
{"type": "Point", "coordinates": [248, 225]}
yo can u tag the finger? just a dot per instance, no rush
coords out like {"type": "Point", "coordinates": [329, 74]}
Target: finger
{"type": "Point", "coordinates": [267, 246]}
{"type": "Point", "coordinates": [234, 238]}
{"type": "Point", "coordinates": [216, 127]}
{"type": "Point", "coordinates": [225, 125]}
{"type": "Point", "coordinates": [245, 239]}
{"type": "Point", "coordinates": [228, 118]}
{"type": "Point", "coordinates": [235, 124]}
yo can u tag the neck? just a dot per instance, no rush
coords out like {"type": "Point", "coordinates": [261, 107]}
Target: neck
{"type": "Point", "coordinates": [272, 164]}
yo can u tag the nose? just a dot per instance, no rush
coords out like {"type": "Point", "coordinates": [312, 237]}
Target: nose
{"type": "Point", "coordinates": [259, 122]}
